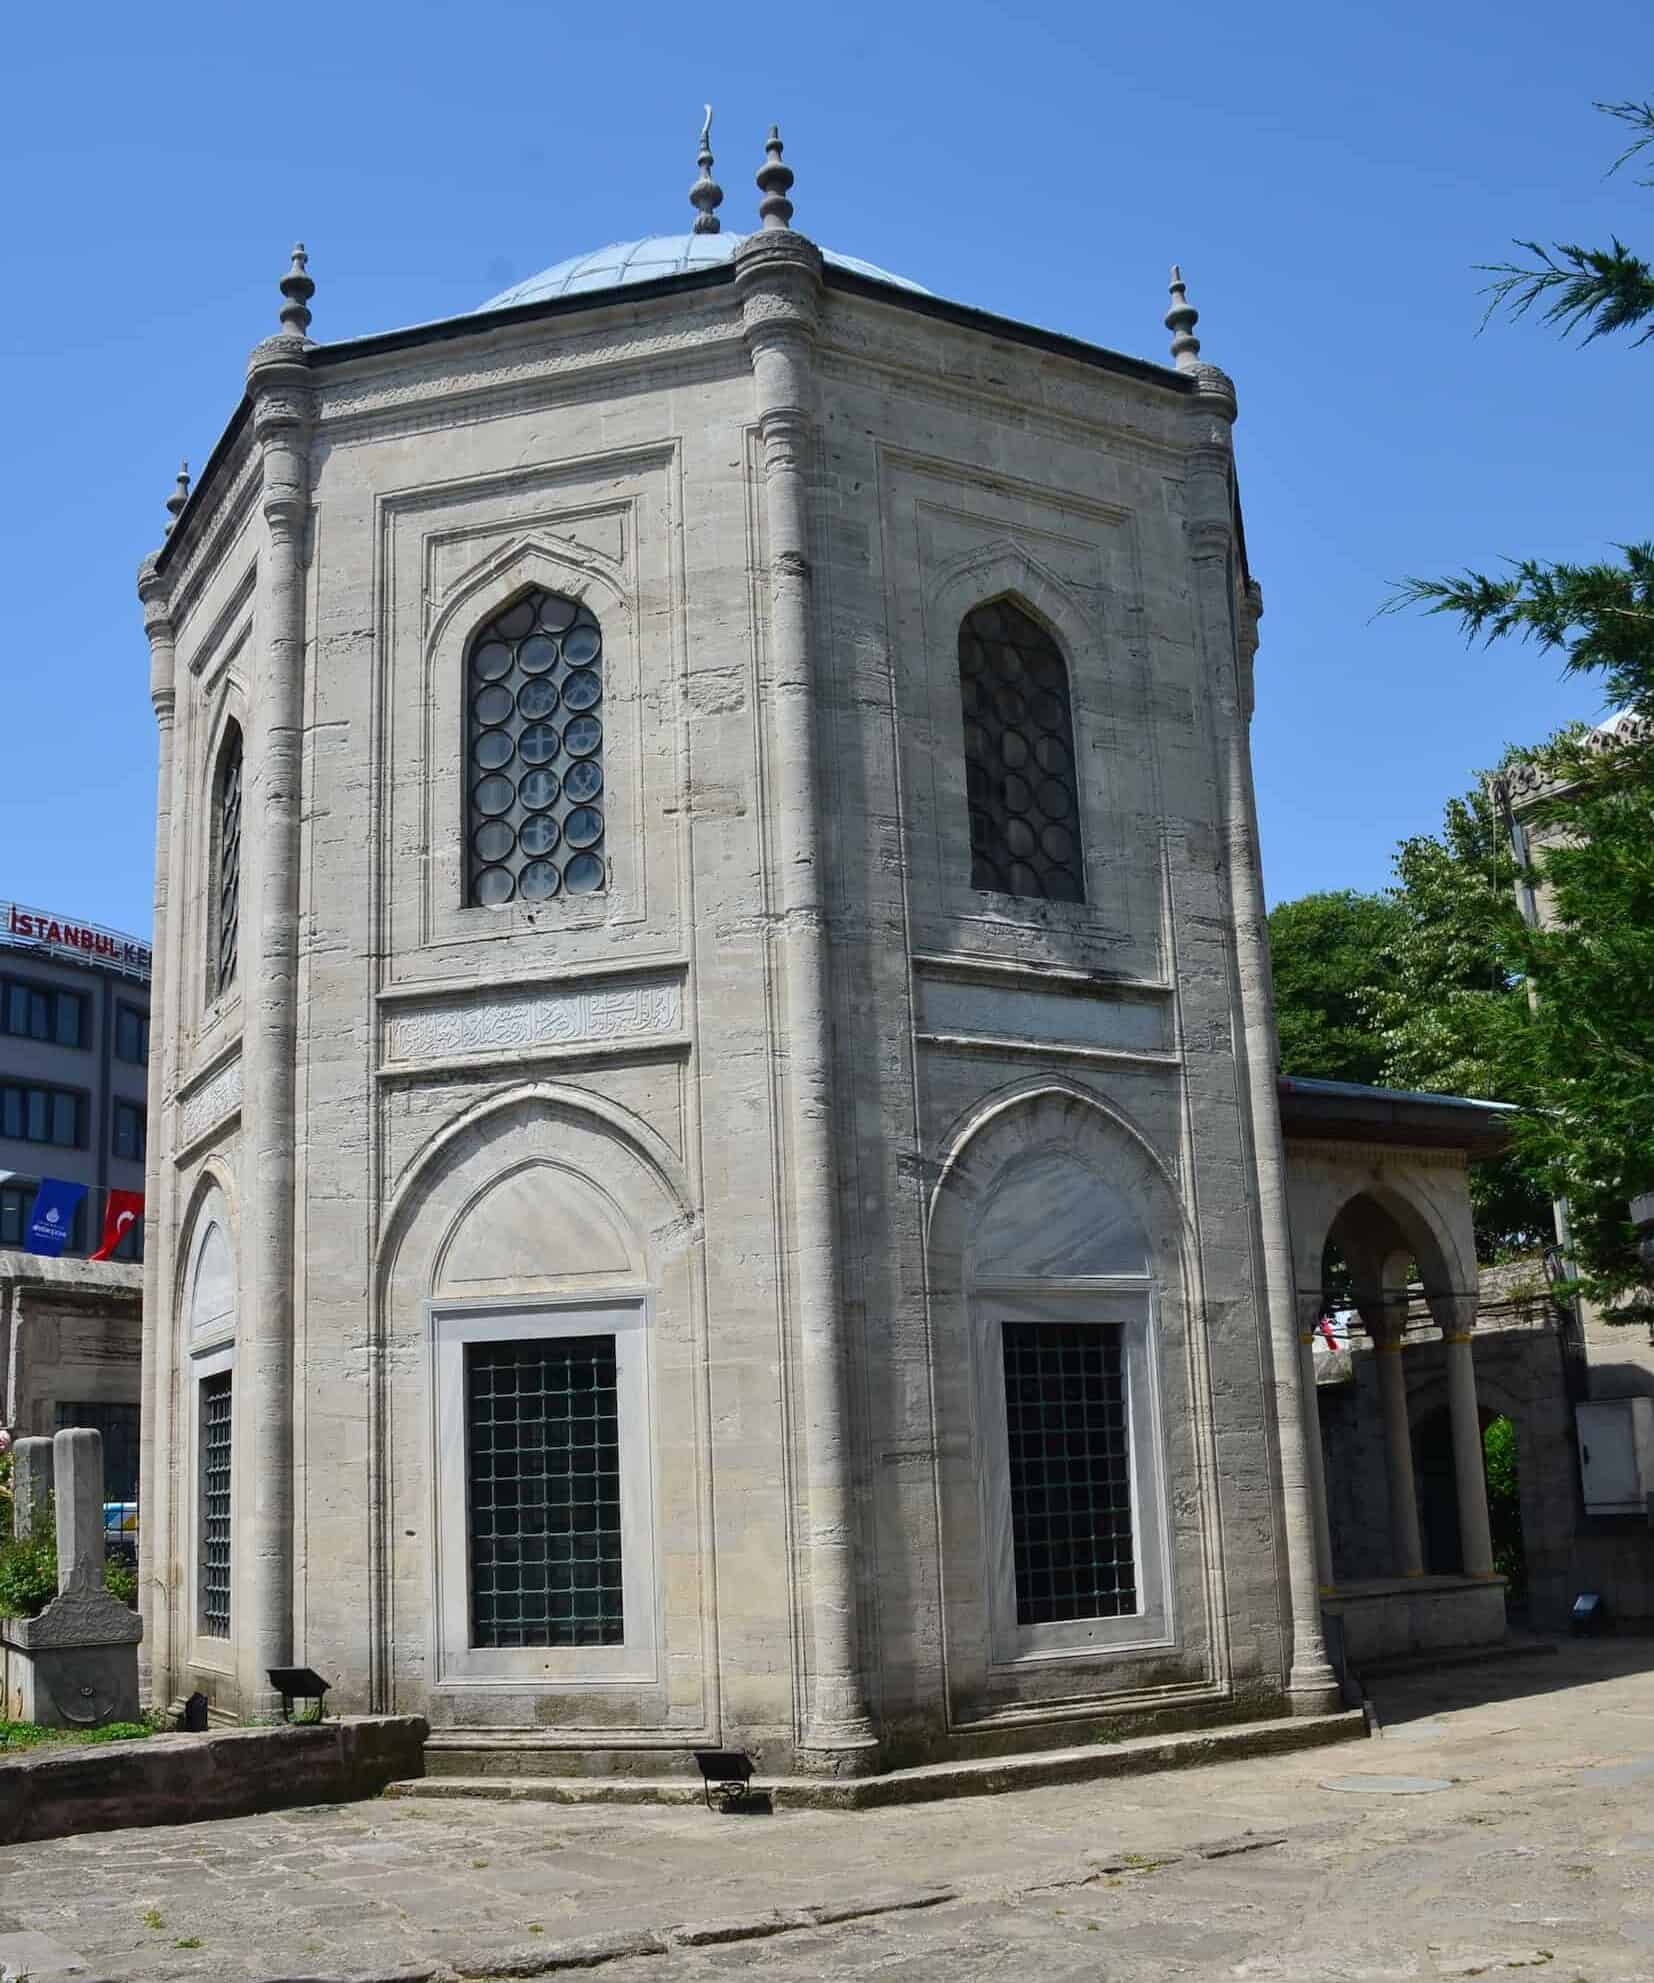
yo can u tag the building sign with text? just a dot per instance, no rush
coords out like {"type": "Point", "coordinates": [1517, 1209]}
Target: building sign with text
{"type": "Point", "coordinates": [72, 941]}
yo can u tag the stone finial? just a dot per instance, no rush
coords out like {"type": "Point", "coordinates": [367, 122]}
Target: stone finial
{"type": "Point", "coordinates": [706, 194]}
{"type": "Point", "coordinates": [1181, 319]}
{"type": "Point", "coordinates": [180, 495]}
{"type": "Point", "coordinates": [297, 288]}
{"type": "Point", "coordinates": [774, 178]}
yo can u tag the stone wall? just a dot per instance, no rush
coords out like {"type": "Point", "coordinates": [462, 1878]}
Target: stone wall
{"type": "Point", "coordinates": [52, 1792]}
{"type": "Point", "coordinates": [71, 1332]}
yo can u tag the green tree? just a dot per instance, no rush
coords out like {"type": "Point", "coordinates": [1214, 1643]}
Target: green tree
{"type": "Point", "coordinates": [1329, 951]}
{"type": "Point", "coordinates": [1583, 1058]}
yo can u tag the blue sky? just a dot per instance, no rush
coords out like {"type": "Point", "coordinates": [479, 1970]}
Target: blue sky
{"type": "Point", "coordinates": [1326, 176]}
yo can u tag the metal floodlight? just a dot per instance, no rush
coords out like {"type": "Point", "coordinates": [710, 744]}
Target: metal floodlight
{"type": "Point", "coordinates": [300, 1683]}
{"type": "Point", "coordinates": [727, 1775]}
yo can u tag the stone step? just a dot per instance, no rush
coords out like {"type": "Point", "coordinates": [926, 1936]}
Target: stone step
{"type": "Point", "coordinates": [458, 1775]}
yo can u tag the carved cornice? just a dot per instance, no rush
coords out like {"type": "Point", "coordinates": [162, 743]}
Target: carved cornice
{"type": "Point", "coordinates": [209, 1102]}
{"type": "Point", "coordinates": [512, 1022]}
{"type": "Point", "coordinates": [1522, 786]}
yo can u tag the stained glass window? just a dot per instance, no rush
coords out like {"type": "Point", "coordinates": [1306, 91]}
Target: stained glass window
{"type": "Point", "coordinates": [534, 754]}
{"type": "Point", "coordinates": [1019, 757]}
{"type": "Point", "coordinates": [229, 860]}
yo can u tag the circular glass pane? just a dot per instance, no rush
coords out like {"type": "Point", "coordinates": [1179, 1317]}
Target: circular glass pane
{"type": "Point", "coordinates": [1021, 879]}
{"type": "Point", "coordinates": [1049, 713]}
{"type": "Point", "coordinates": [582, 689]}
{"type": "Point", "coordinates": [491, 661]}
{"type": "Point", "coordinates": [493, 704]}
{"type": "Point", "coordinates": [539, 880]}
{"type": "Point", "coordinates": [582, 647]}
{"type": "Point", "coordinates": [493, 887]}
{"type": "Point", "coordinates": [493, 840]}
{"type": "Point", "coordinates": [1013, 748]}
{"type": "Point", "coordinates": [583, 875]}
{"type": "Point", "coordinates": [583, 827]}
{"type": "Point", "coordinates": [536, 699]}
{"type": "Point", "coordinates": [518, 621]}
{"type": "Point", "coordinates": [982, 832]}
{"type": "Point", "coordinates": [1008, 701]}
{"type": "Point", "coordinates": [1057, 843]}
{"type": "Point", "coordinates": [538, 743]}
{"type": "Point", "coordinates": [539, 834]}
{"type": "Point", "coordinates": [492, 749]}
{"type": "Point", "coordinates": [537, 655]}
{"type": "Point", "coordinates": [985, 621]}
{"type": "Point", "coordinates": [1055, 799]}
{"type": "Point", "coordinates": [1018, 797]}
{"type": "Point", "coordinates": [494, 795]}
{"type": "Point", "coordinates": [556, 614]}
{"type": "Point", "coordinates": [538, 790]}
{"type": "Point", "coordinates": [584, 781]}
{"type": "Point", "coordinates": [1019, 838]}
{"type": "Point", "coordinates": [1051, 754]}
{"type": "Point", "coordinates": [1062, 886]}
{"type": "Point", "coordinates": [583, 737]}
{"type": "Point", "coordinates": [976, 741]}
{"type": "Point", "coordinates": [1047, 671]}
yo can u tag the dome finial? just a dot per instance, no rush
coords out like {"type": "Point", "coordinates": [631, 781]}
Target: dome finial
{"type": "Point", "coordinates": [706, 194]}
{"type": "Point", "coordinates": [774, 178]}
{"type": "Point", "coordinates": [1181, 319]}
{"type": "Point", "coordinates": [179, 496]}
{"type": "Point", "coordinates": [297, 288]}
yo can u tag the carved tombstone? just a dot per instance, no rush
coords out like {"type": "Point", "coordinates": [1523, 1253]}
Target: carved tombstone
{"type": "Point", "coordinates": [76, 1664]}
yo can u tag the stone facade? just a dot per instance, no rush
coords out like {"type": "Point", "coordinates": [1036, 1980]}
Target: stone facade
{"type": "Point", "coordinates": [750, 1106]}
{"type": "Point", "coordinates": [71, 1339]}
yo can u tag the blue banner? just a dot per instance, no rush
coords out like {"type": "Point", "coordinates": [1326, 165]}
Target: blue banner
{"type": "Point", "coordinates": [53, 1217]}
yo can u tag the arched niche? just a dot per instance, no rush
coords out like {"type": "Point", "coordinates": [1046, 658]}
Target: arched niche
{"type": "Point", "coordinates": [209, 1279]}
{"type": "Point", "coordinates": [539, 1225]}
{"type": "Point", "coordinates": [1054, 1217]}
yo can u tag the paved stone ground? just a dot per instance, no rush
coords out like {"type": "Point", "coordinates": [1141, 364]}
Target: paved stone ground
{"type": "Point", "coordinates": [1537, 1854]}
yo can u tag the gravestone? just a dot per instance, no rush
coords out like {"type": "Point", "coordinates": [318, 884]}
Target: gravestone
{"type": "Point", "coordinates": [75, 1665]}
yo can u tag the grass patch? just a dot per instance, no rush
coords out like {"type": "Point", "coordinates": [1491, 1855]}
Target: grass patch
{"type": "Point", "coordinates": [15, 1735]}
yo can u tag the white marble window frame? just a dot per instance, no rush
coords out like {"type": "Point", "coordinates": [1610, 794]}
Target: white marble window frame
{"type": "Point", "coordinates": [212, 1359]}
{"type": "Point", "coordinates": [1132, 1306]}
{"type": "Point", "coordinates": [454, 1325]}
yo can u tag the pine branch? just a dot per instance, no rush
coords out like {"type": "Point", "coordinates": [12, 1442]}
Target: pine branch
{"type": "Point", "coordinates": [1640, 116]}
{"type": "Point", "coordinates": [1597, 290]}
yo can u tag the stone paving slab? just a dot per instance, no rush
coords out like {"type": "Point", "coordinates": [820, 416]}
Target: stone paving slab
{"type": "Point", "coordinates": [1538, 1856]}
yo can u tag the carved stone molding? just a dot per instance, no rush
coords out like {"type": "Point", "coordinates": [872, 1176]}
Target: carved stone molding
{"type": "Point", "coordinates": [204, 1107]}
{"type": "Point", "coordinates": [512, 1022]}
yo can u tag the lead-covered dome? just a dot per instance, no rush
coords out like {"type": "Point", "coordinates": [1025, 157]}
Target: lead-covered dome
{"type": "Point", "coordinates": [650, 259]}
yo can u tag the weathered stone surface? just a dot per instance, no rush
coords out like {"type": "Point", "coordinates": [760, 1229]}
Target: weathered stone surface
{"type": "Point", "coordinates": [181, 1779]}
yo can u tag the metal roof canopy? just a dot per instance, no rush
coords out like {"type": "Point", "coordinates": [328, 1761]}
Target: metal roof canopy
{"type": "Point", "coordinates": [1347, 1111]}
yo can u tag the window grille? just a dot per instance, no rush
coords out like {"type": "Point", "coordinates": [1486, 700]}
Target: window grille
{"type": "Point", "coordinates": [534, 754]}
{"type": "Point", "coordinates": [215, 1506]}
{"type": "Point", "coordinates": [1070, 1466]}
{"type": "Point", "coordinates": [1019, 757]}
{"type": "Point", "coordinates": [543, 1459]}
{"type": "Point", "coordinates": [229, 860]}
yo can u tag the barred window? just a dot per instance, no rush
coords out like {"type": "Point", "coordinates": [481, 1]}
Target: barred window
{"type": "Point", "coordinates": [227, 807]}
{"type": "Point", "coordinates": [1019, 757]}
{"type": "Point", "coordinates": [1070, 1467]}
{"type": "Point", "coordinates": [214, 1546]}
{"type": "Point", "coordinates": [543, 1437]}
{"type": "Point", "coordinates": [534, 754]}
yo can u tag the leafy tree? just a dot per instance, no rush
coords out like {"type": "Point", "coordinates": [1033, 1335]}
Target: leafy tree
{"type": "Point", "coordinates": [1583, 1058]}
{"type": "Point", "coordinates": [1328, 952]}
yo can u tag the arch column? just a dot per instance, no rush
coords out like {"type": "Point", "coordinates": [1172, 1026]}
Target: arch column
{"type": "Point", "coordinates": [1309, 1314]}
{"type": "Point", "coordinates": [1456, 1317]}
{"type": "Point", "coordinates": [1388, 1332]}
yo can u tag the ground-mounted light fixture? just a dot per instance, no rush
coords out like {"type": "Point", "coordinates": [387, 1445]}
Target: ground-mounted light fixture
{"type": "Point", "coordinates": [300, 1683]}
{"type": "Point", "coordinates": [727, 1775]}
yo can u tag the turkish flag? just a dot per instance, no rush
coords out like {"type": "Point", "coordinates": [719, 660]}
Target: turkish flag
{"type": "Point", "coordinates": [124, 1209]}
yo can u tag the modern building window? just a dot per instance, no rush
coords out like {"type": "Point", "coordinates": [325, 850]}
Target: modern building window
{"type": "Point", "coordinates": [543, 1453]}
{"type": "Point", "coordinates": [129, 1138]}
{"type": "Point", "coordinates": [227, 879]}
{"type": "Point", "coordinates": [213, 1549]}
{"type": "Point", "coordinates": [1070, 1471]}
{"type": "Point", "coordinates": [42, 1012]}
{"type": "Point", "coordinates": [534, 754]}
{"type": "Point", "coordinates": [118, 1423]}
{"type": "Point", "coordinates": [131, 1035]}
{"type": "Point", "coordinates": [17, 1196]}
{"type": "Point", "coordinates": [31, 1114]}
{"type": "Point", "coordinates": [1019, 757]}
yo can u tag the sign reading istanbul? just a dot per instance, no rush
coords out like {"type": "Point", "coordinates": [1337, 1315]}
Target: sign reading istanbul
{"type": "Point", "coordinates": [75, 943]}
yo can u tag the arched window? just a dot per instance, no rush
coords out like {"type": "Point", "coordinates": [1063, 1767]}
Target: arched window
{"type": "Point", "coordinates": [534, 754]}
{"type": "Point", "coordinates": [1019, 757]}
{"type": "Point", "coordinates": [227, 878]}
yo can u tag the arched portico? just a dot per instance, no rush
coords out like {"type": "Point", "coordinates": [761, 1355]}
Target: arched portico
{"type": "Point", "coordinates": [1378, 1186]}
